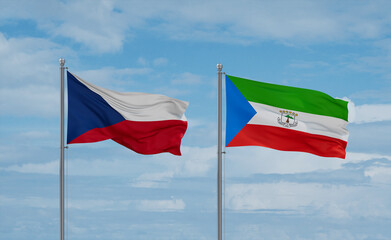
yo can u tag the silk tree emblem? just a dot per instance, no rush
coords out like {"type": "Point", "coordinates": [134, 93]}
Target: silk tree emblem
{"type": "Point", "coordinates": [287, 118]}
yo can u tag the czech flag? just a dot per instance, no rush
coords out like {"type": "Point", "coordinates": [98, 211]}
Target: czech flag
{"type": "Point", "coordinates": [145, 123]}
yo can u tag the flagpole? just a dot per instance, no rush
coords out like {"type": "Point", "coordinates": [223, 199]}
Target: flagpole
{"type": "Point", "coordinates": [219, 151]}
{"type": "Point", "coordinates": [62, 63]}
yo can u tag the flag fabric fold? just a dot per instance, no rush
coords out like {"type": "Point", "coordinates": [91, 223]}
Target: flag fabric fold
{"type": "Point", "coordinates": [145, 123]}
{"type": "Point", "coordinates": [285, 118]}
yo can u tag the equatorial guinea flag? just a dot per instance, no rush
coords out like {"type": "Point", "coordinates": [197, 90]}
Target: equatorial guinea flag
{"type": "Point", "coordinates": [285, 118]}
{"type": "Point", "coordinates": [145, 123]}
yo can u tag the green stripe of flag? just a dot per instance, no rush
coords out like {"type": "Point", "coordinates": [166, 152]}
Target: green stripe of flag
{"type": "Point", "coordinates": [291, 98]}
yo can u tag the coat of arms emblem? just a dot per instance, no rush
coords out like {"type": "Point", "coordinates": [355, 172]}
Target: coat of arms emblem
{"type": "Point", "coordinates": [287, 118]}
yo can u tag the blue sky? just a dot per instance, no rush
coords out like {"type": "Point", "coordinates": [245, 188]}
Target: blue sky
{"type": "Point", "coordinates": [342, 48]}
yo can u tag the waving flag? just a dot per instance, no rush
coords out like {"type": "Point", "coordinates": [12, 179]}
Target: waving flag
{"type": "Point", "coordinates": [285, 118]}
{"type": "Point", "coordinates": [145, 123]}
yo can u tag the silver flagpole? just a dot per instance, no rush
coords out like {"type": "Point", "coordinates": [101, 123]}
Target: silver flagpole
{"type": "Point", "coordinates": [62, 63]}
{"type": "Point", "coordinates": [219, 152]}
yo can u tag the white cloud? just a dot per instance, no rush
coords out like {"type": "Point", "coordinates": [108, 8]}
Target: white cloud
{"type": "Point", "coordinates": [372, 113]}
{"type": "Point", "coordinates": [194, 123]}
{"type": "Point", "coordinates": [268, 230]}
{"type": "Point", "coordinates": [259, 232]}
{"type": "Point", "coordinates": [35, 202]}
{"type": "Point", "coordinates": [30, 101]}
{"type": "Point", "coordinates": [160, 61]}
{"type": "Point", "coordinates": [360, 157]}
{"type": "Point", "coordinates": [97, 205]}
{"type": "Point", "coordinates": [152, 180]}
{"type": "Point", "coordinates": [142, 61]}
{"type": "Point", "coordinates": [100, 167]}
{"type": "Point", "coordinates": [40, 168]}
{"type": "Point", "coordinates": [351, 110]}
{"type": "Point", "coordinates": [157, 62]}
{"type": "Point", "coordinates": [195, 162]}
{"type": "Point", "coordinates": [308, 64]}
{"type": "Point", "coordinates": [77, 167]}
{"type": "Point", "coordinates": [304, 21]}
{"type": "Point", "coordinates": [96, 25]}
{"type": "Point", "coordinates": [108, 76]}
{"type": "Point", "coordinates": [147, 205]}
{"type": "Point", "coordinates": [29, 76]}
{"type": "Point", "coordinates": [103, 40]}
{"type": "Point", "coordinates": [187, 79]}
{"type": "Point", "coordinates": [100, 204]}
{"type": "Point", "coordinates": [171, 205]}
{"type": "Point", "coordinates": [29, 61]}
{"type": "Point", "coordinates": [246, 161]}
{"type": "Point", "coordinates": [379, 95]}
{"type": "Point", "coordinates": [375, 63]}
{"type": "Point", "coordinates": [34, 134]}
{"type": "Point", "coordinates": [103, 26]}
{"type": "Point", "coordinates": [335, 201]}
{"type": "Point", "coordinates": [368, 113]}
{"type": "Point", "coordinates": [379, 174]}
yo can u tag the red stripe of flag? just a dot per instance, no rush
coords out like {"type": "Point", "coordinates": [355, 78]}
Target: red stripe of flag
{"type": "Point", "coordinates": [289, 140]}
{"type": "Point", "coordinates": [142, 137]}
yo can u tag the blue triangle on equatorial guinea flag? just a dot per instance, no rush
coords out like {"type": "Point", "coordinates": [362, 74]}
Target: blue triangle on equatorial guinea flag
{"type": "Point", "coordinates": [239, 111]}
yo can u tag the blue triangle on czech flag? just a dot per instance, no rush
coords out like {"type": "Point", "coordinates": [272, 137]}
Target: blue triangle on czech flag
{"type": "Point", "coordinates": [87, 110]}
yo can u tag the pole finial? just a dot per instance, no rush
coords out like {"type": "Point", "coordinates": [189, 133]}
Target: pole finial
{"type": "Point", "coordinates": [62, 61]}
{"type": "Point", "coordinates": [219, 67]}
